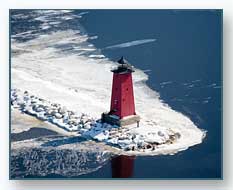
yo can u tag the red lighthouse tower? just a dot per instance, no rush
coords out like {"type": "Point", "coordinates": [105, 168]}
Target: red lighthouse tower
{"type": "Point", "coordinates": [122, 109]}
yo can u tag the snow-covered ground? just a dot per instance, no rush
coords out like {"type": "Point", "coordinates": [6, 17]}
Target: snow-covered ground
{"type": "Point", "coordinates": [62, 67]}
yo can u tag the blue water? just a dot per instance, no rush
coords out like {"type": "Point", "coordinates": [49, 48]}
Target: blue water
{"type": "Point", "coordinates": [183, 65]}
{"type": "Point", "coordinates": [188, 48]}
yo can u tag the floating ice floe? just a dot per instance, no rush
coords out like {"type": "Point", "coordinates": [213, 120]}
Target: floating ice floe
{"type": "Point", "coordinates": [36, 158]}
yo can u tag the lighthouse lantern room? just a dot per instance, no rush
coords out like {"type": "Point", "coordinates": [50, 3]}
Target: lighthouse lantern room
{"type": "Point", "coordinates": [122, 108]}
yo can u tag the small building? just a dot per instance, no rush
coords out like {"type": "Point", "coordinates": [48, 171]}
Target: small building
{"type": "Point", "coordinates": [122, 108]}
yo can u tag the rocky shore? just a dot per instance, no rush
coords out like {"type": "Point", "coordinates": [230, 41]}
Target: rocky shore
{"type": "Point", "coordinates": [128, 138]}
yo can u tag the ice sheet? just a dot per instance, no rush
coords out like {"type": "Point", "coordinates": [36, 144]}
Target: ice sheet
{"type": "Point", "coordinates": [58, 67]}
